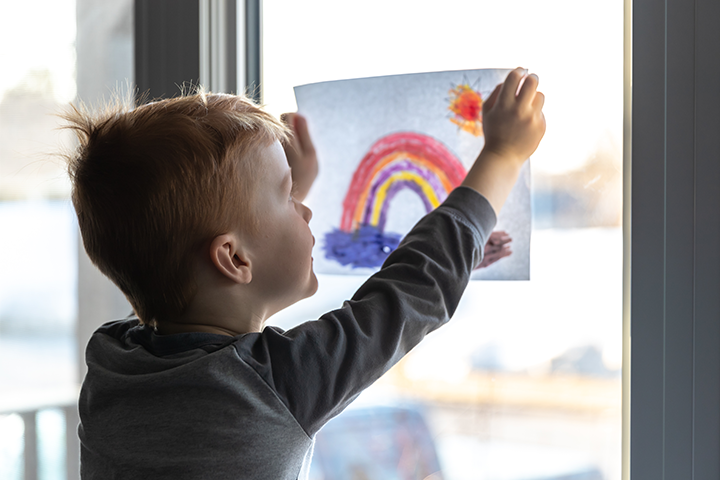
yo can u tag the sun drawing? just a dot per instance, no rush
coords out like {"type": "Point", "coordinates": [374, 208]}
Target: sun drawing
{"type": "Point", "coordinates": [466, 106]}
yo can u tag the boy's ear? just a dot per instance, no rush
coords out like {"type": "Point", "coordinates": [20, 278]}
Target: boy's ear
{"type": "Point", "coordinates": [228, 256]}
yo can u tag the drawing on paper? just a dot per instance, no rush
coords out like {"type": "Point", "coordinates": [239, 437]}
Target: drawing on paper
{"type": "Point", "coordinates": [395, 162]}
{"type": "Point", "coordinates": [391, 149]}
{"type": "Point", "coordinates": [465, 103]}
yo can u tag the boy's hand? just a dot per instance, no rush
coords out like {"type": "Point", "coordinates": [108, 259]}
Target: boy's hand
{"type": "Point", "coordinates": [496, 248]}
{"type": "Point", "coordinates": [513, 124]}
{"type": "Point", "coordinates": [301, 155]}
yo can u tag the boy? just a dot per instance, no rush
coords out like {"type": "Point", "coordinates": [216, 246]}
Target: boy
{"type": "Point", "coordinates": [187, 205]}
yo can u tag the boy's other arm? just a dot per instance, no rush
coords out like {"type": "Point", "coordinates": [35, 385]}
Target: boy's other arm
{"type": "Point", "coordinates": [513, 125]}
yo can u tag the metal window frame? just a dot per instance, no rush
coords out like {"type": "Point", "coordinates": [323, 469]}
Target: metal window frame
{"type": "Point", "coordinates": [253, 49]}
{"type": "Point", "coordinates": [167, 47]}
{"type": "Point", "coordinates": [218, 45]}
{"type": "Point", "coordinates": [674, 429]}
{"type": "Point", "coordinates": [191, 42]}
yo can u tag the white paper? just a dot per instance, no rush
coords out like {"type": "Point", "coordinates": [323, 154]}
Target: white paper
{"type": "Point", "coordinates": [392, 148]}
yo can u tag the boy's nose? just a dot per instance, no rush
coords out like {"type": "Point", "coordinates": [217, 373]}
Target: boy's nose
{"type": "Point", "coordinates": [307, 213]}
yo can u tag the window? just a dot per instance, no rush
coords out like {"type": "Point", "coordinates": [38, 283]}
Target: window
{"type": "Point", "coordinates": [38, 240]}
{"type": "Point", "coordinates": [525, 369]}
{"type": "Point", "coordinates": [677, 46]}
{"type": "Point", "coordinates": [39, 359]}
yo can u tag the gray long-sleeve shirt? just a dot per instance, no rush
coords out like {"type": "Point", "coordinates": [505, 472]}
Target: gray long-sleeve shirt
{"type": "Point", "coordinates": [208, 406]}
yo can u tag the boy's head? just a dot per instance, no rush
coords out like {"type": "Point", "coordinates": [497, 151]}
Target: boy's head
{"type": "Point", "coordinates": [153, 185]}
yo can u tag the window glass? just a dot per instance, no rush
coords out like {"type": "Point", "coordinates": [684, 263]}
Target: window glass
{"type": "Point", "coordinates": [38, 229]}
{"type": "Point", "coordinates": [38, 234]}
{"type": "Point", "coordinates": [38, 239]}
{"type": "Point", "coordinates": [524, 382]}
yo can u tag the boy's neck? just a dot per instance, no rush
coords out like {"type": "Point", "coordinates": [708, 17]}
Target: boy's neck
{"type": "Point", "coordinates": [211, 322]}
{"type": "Point", "coordinates": [218, 307]}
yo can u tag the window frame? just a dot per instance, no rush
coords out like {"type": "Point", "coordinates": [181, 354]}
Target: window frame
{"type": "Point", "coordinates": [674, 377]}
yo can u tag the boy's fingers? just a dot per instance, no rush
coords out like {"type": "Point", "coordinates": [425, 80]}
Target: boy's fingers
{"type": "Point", "coordinates": [490, 101]}
{"type": "Point", "coordinates": [539, 100]}
{"type": "Point", "coordinates": [303, 135]}
{"type": "Point", "coordinates": [491, 257]}
{"type": "Point", "coordinates": [528, 89]}
{"type": "Point", "coordinates": [289, 120]}
{"type": "Point", "coordinates": [503, 240]}
{"type": "Point", "coordinates": [497, 236]}
{"type": "Point", "coordinates": [511, 84]}
{"type": "Point", "coordinates": [490, 248]}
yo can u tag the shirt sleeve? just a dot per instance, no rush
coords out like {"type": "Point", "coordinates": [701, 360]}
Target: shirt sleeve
{"type": "Point", "coordinates": [319, 367]}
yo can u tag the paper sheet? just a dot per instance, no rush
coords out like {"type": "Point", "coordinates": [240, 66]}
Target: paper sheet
{"type": "Point", "coordinates": [390, 150]}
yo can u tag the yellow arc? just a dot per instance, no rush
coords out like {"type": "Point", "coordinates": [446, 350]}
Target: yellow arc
{"type": "Point", "coordinates": [396, 177]}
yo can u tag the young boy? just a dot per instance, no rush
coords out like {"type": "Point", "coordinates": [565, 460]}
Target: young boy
{"type": "Point", "coordinates": [187, 205]}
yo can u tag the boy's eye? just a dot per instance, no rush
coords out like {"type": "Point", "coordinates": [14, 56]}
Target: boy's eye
{"type": "Point", "coordinates": [293, 190]}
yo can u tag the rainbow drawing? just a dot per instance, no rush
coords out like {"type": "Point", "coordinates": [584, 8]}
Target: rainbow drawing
{"type": "Point", "coordinates": [395, 162]}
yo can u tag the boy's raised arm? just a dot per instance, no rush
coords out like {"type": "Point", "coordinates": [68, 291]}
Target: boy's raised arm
{"type": "Point", "coordinates": [317, 368]}
{"type": "Point", "coordinates": [513, 124]}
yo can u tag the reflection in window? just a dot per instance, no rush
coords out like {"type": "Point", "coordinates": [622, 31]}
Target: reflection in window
{"type": "Point", "coordinates": [524, 383]}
